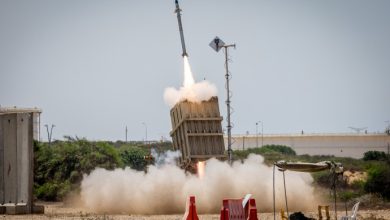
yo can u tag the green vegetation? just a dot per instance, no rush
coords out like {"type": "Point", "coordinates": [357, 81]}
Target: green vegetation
{"type": "Point", "coordinates": [378, 179]}
{"type": "Point", "coordinates": [271, 153]}
{"type": "Point", "coordinates": [133, 157]}
{"type": "Point", "coordinates": [376, 164]}
{"type": "Point", "coordinates": [59, 168]}
{"type": "Point", "coordinates": [375, 155]}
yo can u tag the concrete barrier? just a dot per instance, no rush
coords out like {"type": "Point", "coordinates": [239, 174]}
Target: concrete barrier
{"type": "Point", "coordinates": [17, 160]}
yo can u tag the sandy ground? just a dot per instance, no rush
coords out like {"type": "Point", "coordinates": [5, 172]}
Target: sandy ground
{"type": "Point", "coordinates": [54, 211]}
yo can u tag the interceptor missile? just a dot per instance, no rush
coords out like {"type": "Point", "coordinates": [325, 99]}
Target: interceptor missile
{"type": "Point", "coordinates": [183, 45]}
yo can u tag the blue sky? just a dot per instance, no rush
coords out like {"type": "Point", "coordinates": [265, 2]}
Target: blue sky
{"type": "Point", "coordinates": [96, 66]}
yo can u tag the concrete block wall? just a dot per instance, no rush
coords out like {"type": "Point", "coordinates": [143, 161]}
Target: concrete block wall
{"type": "Point", "coordinates": [1, 166]}
{"type": "Point", "coordinates": [16, 162]}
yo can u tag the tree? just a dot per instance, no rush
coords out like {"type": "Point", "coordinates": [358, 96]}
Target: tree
{"type": "Point", "coordinates": [374, 155]}
{"type": "Point", "coordinates": [59, 169]}
{"type": "Point", "coordinates": [134, 157]}
{"type": "Point", "coordinates": [378, 180]}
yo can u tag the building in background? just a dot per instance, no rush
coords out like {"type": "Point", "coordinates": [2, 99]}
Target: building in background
{"type": "Point", "coordinates": [339, 144]}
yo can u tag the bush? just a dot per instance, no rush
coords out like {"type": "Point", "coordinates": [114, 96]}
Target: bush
{"type": "Point", "coordinates": [58, 169]}
{"type": "Point", "coordinates": [375, 155]}
{"type": "Point", "coordinates": [266, 149]}
{"type": "Point", "coordinates": [322, 178]}
{"type": "Point", "coordinates": [271, 153]}
{"type": "Point", "coordinates": [347, 195]}
{"type": "Point", "coordinates": [133, 157]}
{"type": "Point", "coordinates": [358, 185]}
{"type": "Point", "coordinates": [278, 148]}
{"type": "Point", "coordinates": [47, 191]}
{"type": "Point", "coordinates": [53, 191]}
{"type": "Point", "coordinates": [378, 180]}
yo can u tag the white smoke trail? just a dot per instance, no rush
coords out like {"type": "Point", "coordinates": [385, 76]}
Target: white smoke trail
{"type": "Point", "coordinates": [191, 91]}
{"type": "Point", "coordinates": [166, 158]}
{"type": "Point", "coordinates": [163, 190]}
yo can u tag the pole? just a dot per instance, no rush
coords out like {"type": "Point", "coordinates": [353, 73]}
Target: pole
{"type": "Point", "coordinates": [216, 46]}
{"type": "Point", "coordinates": [243, 142]}
{"type": "Point", "coordinates": [262, 134]}
{"type": "Point", "coordinates": [335, 202]}
{"type": "Point", "coordinates": [39, 127]}
{"type": "Point", "coordinates": [48, 135]}
{"type": "Point", "coordinates": [285, 194]}
{"type": "Point", "coordinates": [257, 135]}
{"type": "Point", "coordinates": [229, 126]}
{"type": "Point", "coordinates": [388, 133]}
{"type": "Point", "coordinates": [146, 133]}
{"type": "Point", "coordinates": [273, 191]}
{"type": "Point", "coordinates": [345, 201]}
{"type": "Point", "coordinates": [51, 131]}
{"type": "Point", "coordinates": [126, 134]}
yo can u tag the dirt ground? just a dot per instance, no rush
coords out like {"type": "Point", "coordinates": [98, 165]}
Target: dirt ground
{"type": "Point", "coordinates": [57, 211]}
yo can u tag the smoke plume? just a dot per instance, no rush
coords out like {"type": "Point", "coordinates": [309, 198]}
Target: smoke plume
{"type": "Point", "coordinates": [191, 90]}
{"type": "Point", "coordinates": [164, 188]}
{"type": "Point", "coordinates": [165, 158]}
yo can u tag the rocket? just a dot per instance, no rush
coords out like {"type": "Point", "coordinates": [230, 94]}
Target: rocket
{"type": "Point", "coordinates": [183, 45]}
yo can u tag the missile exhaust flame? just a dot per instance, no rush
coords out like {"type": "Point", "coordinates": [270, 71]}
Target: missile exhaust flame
{"type": "Point", "coordinates": [188, 76]}
{"type": "Point", "coordinates": [190, 90]}
{"type": "Point", "coordinates": [201, 169]}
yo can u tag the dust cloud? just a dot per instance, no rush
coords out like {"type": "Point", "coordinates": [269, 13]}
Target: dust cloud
{"type": "Point", "coordinates": [164, 188]}
{"type": "Point", "coordinates": [191, 90]}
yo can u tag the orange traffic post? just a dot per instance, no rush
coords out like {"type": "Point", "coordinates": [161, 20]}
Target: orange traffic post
{"type": "Point", "coordinates": [191, 213]}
